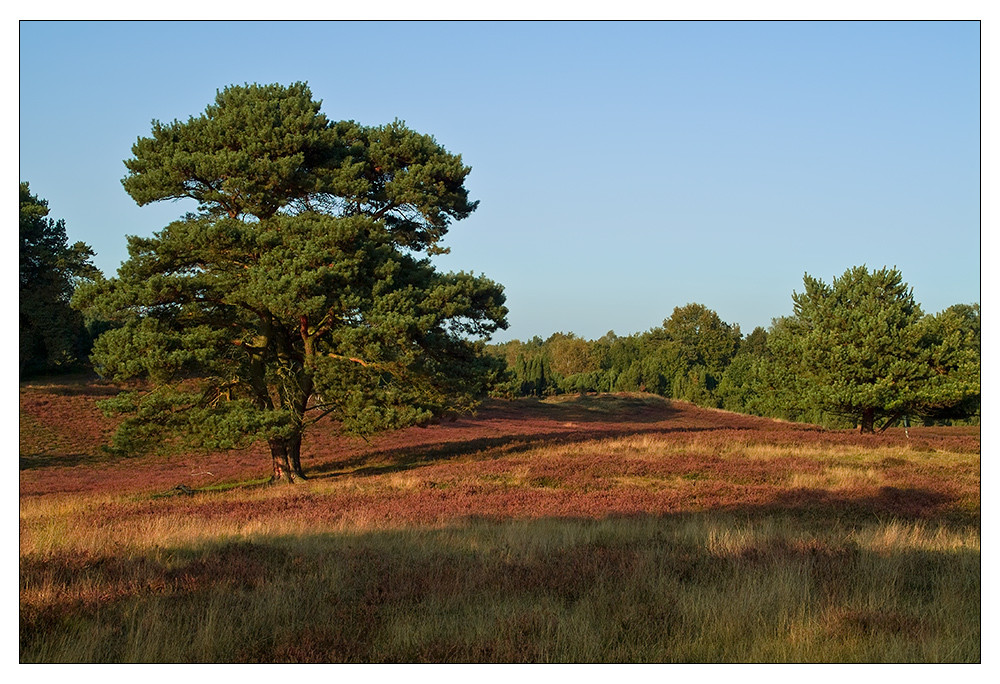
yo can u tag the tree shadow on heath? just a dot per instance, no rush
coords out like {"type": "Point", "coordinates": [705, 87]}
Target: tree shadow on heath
{"type": "Point", "coordinates": [400, 459]}
{"type": "Point", "coordinates": [32, 461]}
{"type": "Point", "coordinates": [903, 503]}
{"type": "Point", "coordinates": [565, 420]}
{"type": "Point", "coordinates": [69, 385]}
{"type": "Point", "coordinates": [588, 408]}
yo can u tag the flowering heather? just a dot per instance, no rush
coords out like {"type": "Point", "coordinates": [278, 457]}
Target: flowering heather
{"type": "Point", "coordinates": [592, 457]}
{"type": "Point", "coordinates": [532, 531]}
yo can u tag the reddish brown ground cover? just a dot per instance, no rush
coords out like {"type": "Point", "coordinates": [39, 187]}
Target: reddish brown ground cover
{"type": "Point", "coordinates": [581, 457]}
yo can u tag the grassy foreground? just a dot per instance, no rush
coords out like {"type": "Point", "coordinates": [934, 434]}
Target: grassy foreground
{"type": "Point", "coordinates": [592, 530]}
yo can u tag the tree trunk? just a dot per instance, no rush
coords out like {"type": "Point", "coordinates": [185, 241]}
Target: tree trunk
{"type": "Point", "coordinates": [294, 451]}
{"type": "Point", "coordinates": [293, 396]}
{"type": "Point", "coordinates": [867, 425]}
{"type": "Point", "coordinates": [282, 471]}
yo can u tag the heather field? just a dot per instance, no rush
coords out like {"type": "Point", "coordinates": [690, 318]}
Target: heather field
{"type": "Point", "coordinates": [604, 528]}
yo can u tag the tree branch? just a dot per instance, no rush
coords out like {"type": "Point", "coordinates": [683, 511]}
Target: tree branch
{"type": "Point", "coordinates": [383, 211]}
{"type": "Point", "coordinates": [364, 363]}
{"type": "Point", "coordinates": [893, 419]}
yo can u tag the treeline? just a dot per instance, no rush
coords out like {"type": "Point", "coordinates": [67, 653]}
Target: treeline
{"type": "Point", "coordinates": [685, 358]}
{"type": "Point", "coordinates": [695, 356]}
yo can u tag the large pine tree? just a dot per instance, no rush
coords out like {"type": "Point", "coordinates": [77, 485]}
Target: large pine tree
{"type": "Point", "coordinates": [298, 290]}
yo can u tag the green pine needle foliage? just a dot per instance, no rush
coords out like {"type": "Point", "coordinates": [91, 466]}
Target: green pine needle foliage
{"type": "Point", "coordinates": [52, 336]}
{"type": "Point", "coordinates": [298, 290]}
{"type": "Point", "coordinates": [861, 347]}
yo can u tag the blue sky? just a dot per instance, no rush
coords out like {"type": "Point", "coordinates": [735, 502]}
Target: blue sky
{"type": "Point", "coordinates": [622, 168]}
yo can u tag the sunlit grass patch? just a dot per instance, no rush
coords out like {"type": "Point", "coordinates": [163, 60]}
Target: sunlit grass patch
{"type": "Point", "coordinates": [643, 482]}
{"type": "Point", "coordinates": [608, 404]}
{"type": "Point", "coordinates": [839, 478]}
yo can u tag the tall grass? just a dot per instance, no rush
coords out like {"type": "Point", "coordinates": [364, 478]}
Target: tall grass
{"type": "Point", "coordinates": [689, 588]}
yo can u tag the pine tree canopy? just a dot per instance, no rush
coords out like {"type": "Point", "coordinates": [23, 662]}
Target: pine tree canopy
{"type": "Point", "coordinates": [298, 290]}
{"type": "Point", "coordinates": [51, 334]}
{"type": "Point", "coordinates": [861, 347]}
{"type": "Point", "coordinates": [263, 149]}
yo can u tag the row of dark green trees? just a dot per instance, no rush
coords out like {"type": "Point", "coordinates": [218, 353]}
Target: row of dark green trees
{"type": "Point", "coordinates": [856, 353]}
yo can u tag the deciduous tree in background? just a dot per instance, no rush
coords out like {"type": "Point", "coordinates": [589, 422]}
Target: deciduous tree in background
{"type": "Point", "coordinates": [298, 290]}
{"type": "Point", "coordinates": [570, 354]}
{"type": "Point", "coordinates": [698, 346]}
{"type": "Point", "coordinates": [51, 335]}
{"type": "Point", "coordinates": [696, 336]}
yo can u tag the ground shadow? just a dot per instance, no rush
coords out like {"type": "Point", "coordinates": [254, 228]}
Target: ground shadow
{"type": "Point", "coordinates": [568, 419]}
{"type": "Point", "coordinates": [32, 461]}
{"type": "Point", "coordinates": [70, 385]}
{"type": "Point", "coordinates": [401, 459]}
{"type": "Point", "coordinates": [902, 503]}
{"type": "Point", "coordinates": [588, 408]}
{"type": "Point", "coordinates": [531, 574]}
